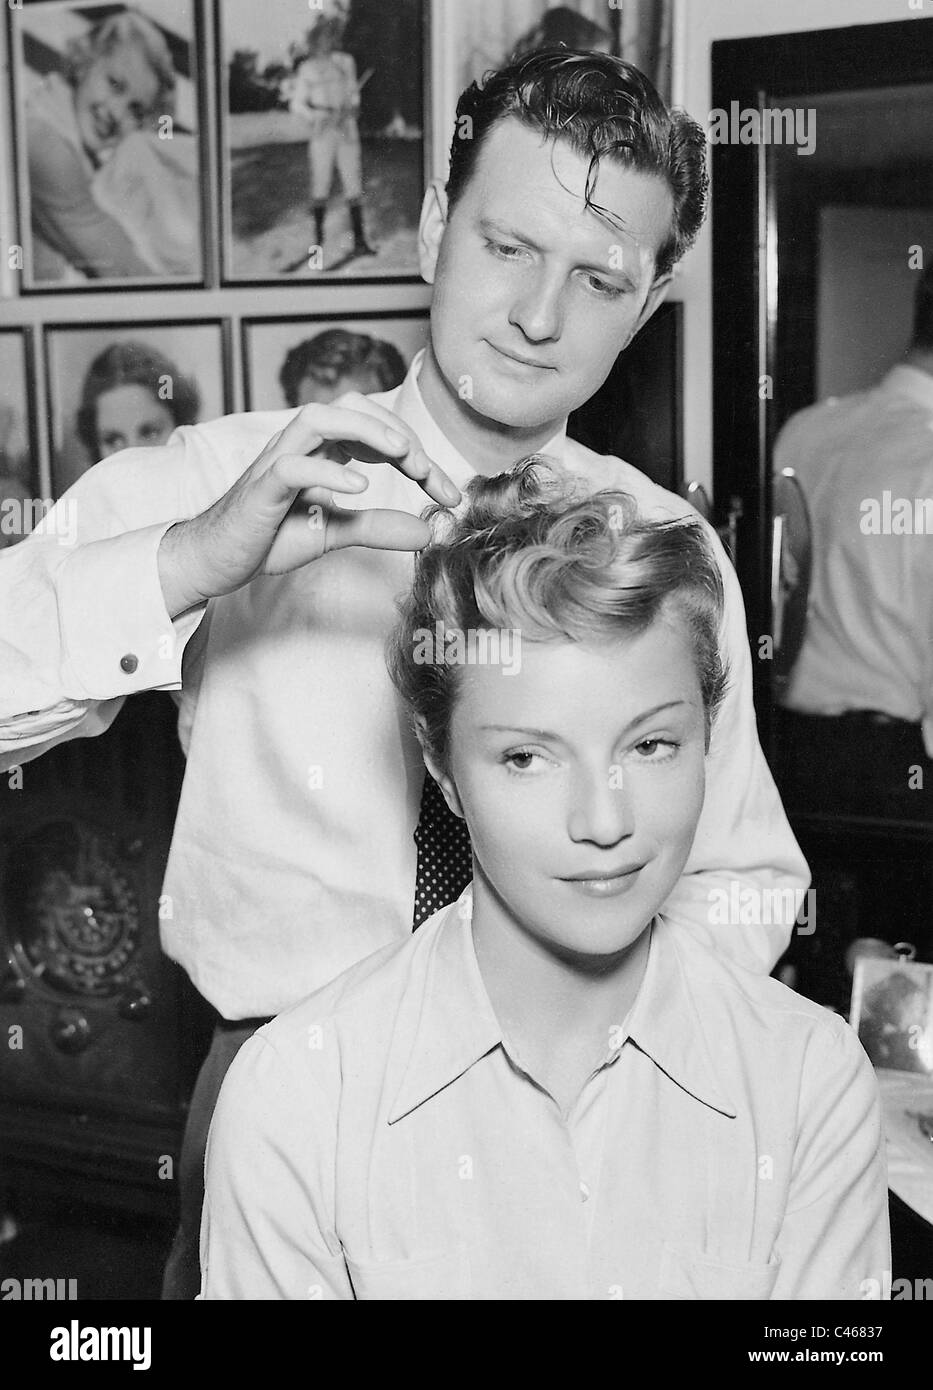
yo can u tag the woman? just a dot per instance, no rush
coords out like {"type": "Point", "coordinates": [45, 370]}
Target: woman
{"type": "Point", "coordinates": [331, 363]}
{"type": "Point", "coordinates": [108, 198]}
{"type": "Point", "coordinates": [133, 397]}
{"type": "Point", "coordinates": [552, 1091]}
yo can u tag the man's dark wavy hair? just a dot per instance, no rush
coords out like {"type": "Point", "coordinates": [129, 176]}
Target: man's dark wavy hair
{"type": "Point", "coordinates": [605, 109]}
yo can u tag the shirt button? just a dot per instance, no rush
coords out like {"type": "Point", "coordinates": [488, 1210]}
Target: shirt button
{"type": "Point", "coordinates": [584, 1192]}
{"type": "Point", "coordinates": [129, 663]}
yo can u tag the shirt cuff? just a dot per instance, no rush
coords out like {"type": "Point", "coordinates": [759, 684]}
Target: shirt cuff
{"type": "Point", "coordinates": [117, 635]}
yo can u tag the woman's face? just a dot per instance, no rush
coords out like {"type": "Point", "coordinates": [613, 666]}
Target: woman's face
{"type": "Point", "coordinates": [313, 390]}
{"type": "Point", "coordinates": [131, 417]}
{"type": "Point", "coordinates": [581, 778]}
{"type": "Point", "coordinates": [114, 97]}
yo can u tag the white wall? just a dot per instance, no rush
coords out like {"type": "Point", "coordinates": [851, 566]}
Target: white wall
{"type": "Point", "coordinates": [697, 24]}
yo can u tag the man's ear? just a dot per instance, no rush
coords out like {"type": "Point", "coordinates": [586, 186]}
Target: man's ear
{"type": "Point", "coordinates": [431, 228]}
{"type": "Point", "coordinates": [443, 779]}
{"type": "Point", "coordinates": [656, 297]}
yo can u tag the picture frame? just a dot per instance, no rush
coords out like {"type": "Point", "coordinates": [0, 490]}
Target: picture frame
{"type": "Point", "coordinates": [637, 414]}
{"type": "Point", "coordinates": [123, 385]}
{"type": "Point", "coordinates": [472, 38]}
{"type": "Point", "coordinates": [21, 503]}
{"type": "Point", "coordinates": [892, 1012]}
{"type": "Point", "coordinates": [110, 154]}
{"type": "Point", "coordinates": [325, 141]}
{"type": "Point", "coordinates": [285, 359]}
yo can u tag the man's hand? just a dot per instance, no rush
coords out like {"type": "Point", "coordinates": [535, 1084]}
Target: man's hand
{"type": "Point", "coordinates": [282, 512]}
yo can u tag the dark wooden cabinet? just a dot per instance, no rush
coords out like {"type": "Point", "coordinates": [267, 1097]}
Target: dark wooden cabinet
{"type": "Point", "coordinates": [100, 1034]}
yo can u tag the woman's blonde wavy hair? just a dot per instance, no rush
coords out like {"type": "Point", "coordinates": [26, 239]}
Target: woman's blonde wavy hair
{"type": "Point", "coordinates": [531, 552]}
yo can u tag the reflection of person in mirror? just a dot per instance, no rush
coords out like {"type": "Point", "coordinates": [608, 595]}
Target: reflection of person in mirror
{"type": "Point", "coordinates": [108, 197]}
{"type": "Point", "coordinates": [132, 398]}
{"type": "Point", "coordinates": [894, 1025]}
{"type": "Point", "coordinates": [865, 670]}
{"type": "Point", "coordinates": [325, 91]}
{"type": "Point", "coordinates": [336, 361]}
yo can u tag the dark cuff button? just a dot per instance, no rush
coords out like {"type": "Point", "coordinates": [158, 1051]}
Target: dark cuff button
{"type": "Point", "coordinates": [129, 663]}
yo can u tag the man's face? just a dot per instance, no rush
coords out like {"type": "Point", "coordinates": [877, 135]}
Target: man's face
{"type": "Point", "coordinates": [535, 295]}
{"type": "Point", "coordinates": [114, 97]}
{"type": "Point", "coordinates": [581, 778]}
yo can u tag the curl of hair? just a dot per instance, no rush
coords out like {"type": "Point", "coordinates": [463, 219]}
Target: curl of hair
{"type": "Point", "coordinates": [133, 364]}
{"type": "Point", "coordinates": [604, 108]}
{"type": "Point", "coordinates": [130, 27]}
{"type": "Point", "coordinates": [531, 552]}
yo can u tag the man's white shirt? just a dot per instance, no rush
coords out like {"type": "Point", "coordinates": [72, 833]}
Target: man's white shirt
{"type": "Point", "coordinates": [293, 854]}
{"type": "Point", "coordinates": [869, 638]}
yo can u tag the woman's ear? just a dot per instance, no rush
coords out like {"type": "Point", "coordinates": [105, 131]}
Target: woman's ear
{"type": "Point", "coordinates": [442, 778]}
{"type": "Point", "coordinates": [431, 228]}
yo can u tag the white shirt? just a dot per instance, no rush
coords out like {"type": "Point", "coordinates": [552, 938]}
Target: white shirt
{"type": "Point", "coordinates": [869, 638]}
{"type": "Point", "coordinates": [385, 1140]}
{"type": "Point", "coordinates": [293, 853]}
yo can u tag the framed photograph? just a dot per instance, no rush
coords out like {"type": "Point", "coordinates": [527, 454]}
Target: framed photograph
{"type": "Point", "coordinates": [637, 414]}
{"type": "Point", "coordinates": [21, 506]}
{"type": "Point", "coordinates": [107, 138]}
{"type": "Point", "coordinates": [892, 1012]}
{"type": "Point", "coordinates": [482, 34]}
{"type": "Point", "coordinates": [323, 149]}
{"type": "Point", "coordinates": [291, 362]}
{"type": "Point", "coordinates": [120, 386]}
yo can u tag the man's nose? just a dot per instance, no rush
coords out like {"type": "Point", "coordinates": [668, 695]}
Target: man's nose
{"type": "Point", "coordinates": [602, 808]}
{"type": "Point", "coordinates": [539, 310]}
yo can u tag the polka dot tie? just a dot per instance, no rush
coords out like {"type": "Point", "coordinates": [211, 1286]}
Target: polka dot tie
{"type": "Point", "coordinates": [445, 864]}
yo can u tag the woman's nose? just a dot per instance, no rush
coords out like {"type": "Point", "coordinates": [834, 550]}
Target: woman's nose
{"type": "Point", "coordinates": [602, 810]}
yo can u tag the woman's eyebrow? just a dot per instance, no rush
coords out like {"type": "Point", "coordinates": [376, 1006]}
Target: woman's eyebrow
{"type": "Point", "coordinates": [549, 733]}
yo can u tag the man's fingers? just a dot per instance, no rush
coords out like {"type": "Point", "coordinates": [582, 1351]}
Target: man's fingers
{"type": "Point", "coordinates": [375, 528]}
{"type": "Point", "coordinates": [416, 463]}
{"type": "Point", "coordinates": [291, 473]}
{"type": "Point", "coordinates": [315, 425]}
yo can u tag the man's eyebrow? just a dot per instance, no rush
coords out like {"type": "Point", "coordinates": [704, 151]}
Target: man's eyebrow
{"type": "Point", "coordinates": [501, 229]}
{"type": "Point", "coordinates": [489, 224]}
{"type": "Point", "coordinates": [549, 733]}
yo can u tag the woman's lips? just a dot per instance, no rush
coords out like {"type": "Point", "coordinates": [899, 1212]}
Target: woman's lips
{"type": "Point", "coordinates": [606, 885]}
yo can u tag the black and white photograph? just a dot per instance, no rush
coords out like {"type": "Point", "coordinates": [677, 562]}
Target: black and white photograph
{"type": "Point", "coordinates": [487, 33]}
{"type": "Point", "coordinates": [128, 386]}
{"type": "Point", "coordinates": [892, 1012]}
{"type": "Point", "coordinates": [107, 143]}
{"type": "Point", "coordinates": [466, 710]}
{"type": "Point", "coordinates": [19, 477]}
{"type": "Point", "coordinates": [292, 362]}
{"type": "Point", "coordinates": [323, 138]}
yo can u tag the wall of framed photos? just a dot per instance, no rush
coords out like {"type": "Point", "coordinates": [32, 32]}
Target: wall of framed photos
{"type": "Point", "coordinates": [211, 184]}
{"type": "Point", "coordinates": [194, 234]}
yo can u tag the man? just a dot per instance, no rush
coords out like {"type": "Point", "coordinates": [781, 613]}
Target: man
{"type": "Point", "coordinates": [293, 854]}
{"type": "Point", "coordinates": [865, 670]}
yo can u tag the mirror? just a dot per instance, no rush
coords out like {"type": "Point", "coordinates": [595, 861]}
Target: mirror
{"type": "Point", "coordinates": [823, 419]}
